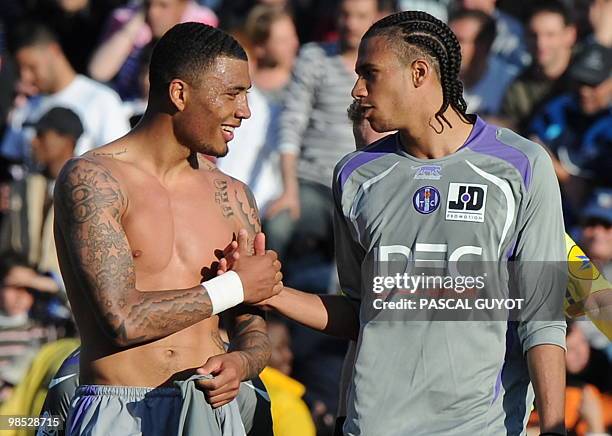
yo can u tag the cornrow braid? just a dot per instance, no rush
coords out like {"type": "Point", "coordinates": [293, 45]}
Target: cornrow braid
{"type": "Point", "coordinates": [433, 38]}
{"type": "Point", "coordinates": [188, 49]}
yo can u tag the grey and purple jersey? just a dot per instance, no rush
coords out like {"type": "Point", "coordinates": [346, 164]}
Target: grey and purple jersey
{"type": "Point", "coordinates": [495, 199]}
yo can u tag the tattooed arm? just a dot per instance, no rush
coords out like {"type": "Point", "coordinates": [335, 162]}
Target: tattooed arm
{"type": "Point", "coordinates": [245, 324]}
{"type": "Point", "coordinates": [89, 204]}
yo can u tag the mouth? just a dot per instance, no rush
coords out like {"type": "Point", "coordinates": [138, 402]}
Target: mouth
{"type": "Point", "coordinates": [366, 109]}
{"type": "Point", "coordinates": [228, 132]}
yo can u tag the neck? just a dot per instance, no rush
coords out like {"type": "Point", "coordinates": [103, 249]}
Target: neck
{"type": "Point", "coordinates": [431, 140]}
{"type": "Point", "coordinates": [473, 73]}
{"type": "Point", "coordinates": [272, 77]}
{"type": "Point", "coordinates": [65, 75]}
{"type": "Point", "coordinates": [54, 168]}
{"type": "Point", "coordinates": [557, 68]}
{"type": "Point", "coordinates": [158, 149]}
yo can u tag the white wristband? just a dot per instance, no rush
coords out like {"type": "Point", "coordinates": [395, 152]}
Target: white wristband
{"type": "Point", "coordinates": [225, 291]}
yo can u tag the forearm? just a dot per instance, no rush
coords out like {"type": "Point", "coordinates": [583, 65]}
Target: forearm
{"type": "Point", "coordinates": [249, 338]}
{"type": "Point", "coordinates": [330, 314]}
{"type": "Point", "coordinates": [547, 370]}
{"type": "Point", "coordinates": [288, 171]}
{"type": "Point", "coordinates": [147, 316]}
{"type": "Point", "coordinates": [111, 54]}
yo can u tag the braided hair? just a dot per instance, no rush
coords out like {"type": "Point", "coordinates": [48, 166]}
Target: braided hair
{"type": "Point", "coordinates": [417, 33]}
{"type": "Point", "coordinates": [188, 49]}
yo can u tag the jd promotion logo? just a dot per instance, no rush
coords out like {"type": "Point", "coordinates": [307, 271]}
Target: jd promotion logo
{"type": "Point", "coordinates": [466, 202]}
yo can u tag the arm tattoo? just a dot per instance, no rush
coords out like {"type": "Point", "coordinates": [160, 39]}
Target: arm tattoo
{"type": "Point", "coordinates": [247, 209]}
{"type": "Point", "coordinates": [249, 338]}
{"type": "Point", "coordinates": [89, 205]}
{"type": "Point", "coordinates": [222, 197]}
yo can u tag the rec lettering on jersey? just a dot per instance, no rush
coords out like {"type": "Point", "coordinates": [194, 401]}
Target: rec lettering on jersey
{"type": "Point", "coordinates": [466, 202]}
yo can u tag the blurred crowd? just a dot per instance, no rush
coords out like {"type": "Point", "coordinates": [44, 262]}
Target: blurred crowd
{"type": "Point", "coordinates": [74, 76]}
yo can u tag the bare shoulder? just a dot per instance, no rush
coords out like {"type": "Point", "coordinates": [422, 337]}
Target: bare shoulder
{"type": "Point", "coordinates": [233, 197]}
{"type": "Point", "coordinates": [85, 185]}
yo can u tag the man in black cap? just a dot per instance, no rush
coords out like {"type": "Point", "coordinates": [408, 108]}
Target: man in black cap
{"type": "Point", "coordinates": [577, 126]}
{"type": "Point", "coordinates": [28, 228]}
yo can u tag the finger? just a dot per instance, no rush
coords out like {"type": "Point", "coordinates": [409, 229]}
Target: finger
{"type": "Point", "coordinates": [260, 244]}
{"type": "Point", "coordinates": [211, 367]}
{"type": "Point", "coordinates": [222, 266]}
{"type": "Point", "coordinates": [221, 400]}
{"type": "Point", "coordinates": [295, 213]}
{"type": "Point", "coordinates": [229, 386]}
{"type": "Point", "coordinates": [208, 385]}
{"type": "Point", "coordinates": [276, 265]}
{"type": "Point", "coordinates": [231, 247]}
{"type": "Point", "coordinates": [273, 210]}
{"type": "Point", "coordinates": [278, 288]}
{"type": "Point", "coordinates": [243, 245]}
{"type": "Point", "coordinates": [272, 254]}
{"type": "Point", "coordinates": [217, 405]}
{"type": "Point", "coordinates": [278, 277]}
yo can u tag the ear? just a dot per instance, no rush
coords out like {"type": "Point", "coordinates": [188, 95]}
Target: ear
{"type": "Point", "coordinates": [177, 93]}
{"type": "Point", "coordinates": [420, 71]}
{"type": "Point", "coordinates": [571, 35]}
{"type": "Point", "coordinates": [258, 51]}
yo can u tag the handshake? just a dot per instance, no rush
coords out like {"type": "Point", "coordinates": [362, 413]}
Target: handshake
{"type": "Point", "coordinates": [244, 275]}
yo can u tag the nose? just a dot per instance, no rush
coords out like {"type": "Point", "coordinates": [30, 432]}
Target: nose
{"type": "Point", "coordinates": [243, 111]}
{"type": "Point", "coordinates": [359, 90]}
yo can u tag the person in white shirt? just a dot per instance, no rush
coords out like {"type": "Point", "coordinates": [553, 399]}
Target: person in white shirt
{"type": "Point", "coordinates": [44, 67]}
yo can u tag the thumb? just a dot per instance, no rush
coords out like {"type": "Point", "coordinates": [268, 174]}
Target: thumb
{"type": "Point", "coordinates": [243, 242]}
{"type": "Point", "coordinates": [260, 244]}
{"type": "Point", "coordinates": [212, 366]}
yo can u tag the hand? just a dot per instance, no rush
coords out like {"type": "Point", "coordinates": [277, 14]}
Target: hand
{"type": "Point", "coordinates": [269, 303]}
{"type": "Point", "coordinates": [228, 371]}
{"type": "Point", "coordinates": [290, 201]}
{"type": "Point", "coordinates": [260, 274]}
{"type": "Point", "coordinates": [231, 253]}
{"type": "Point", "coordinates": [24, 277]}
{"type": "Point", "coordinates": [591, 410]}
{"type": "Point", "coordinates": [227, 257]}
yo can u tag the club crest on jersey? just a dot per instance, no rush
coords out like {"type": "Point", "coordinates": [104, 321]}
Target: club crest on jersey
{"type": "Point", "coordinates": [428, 172]}
{"type": "Point", "coordinates": [466, 202]}
{"type": "Point", "coordinates": [426, 200]}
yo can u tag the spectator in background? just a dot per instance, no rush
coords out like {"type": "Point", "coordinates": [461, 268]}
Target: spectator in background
{"type": "Point", "coordinates": [596, 225]}
{"type": "Point", "coordinates": [28, 227]}
{"type": "Point", "coordinates": [437, 8]}
{"type": "Point", "coordinates": [314, 131]}
{"type": "Point", "coordinates": [135, 108]}
{"type": "Point", "coordinates": [290, 414]}
{"type": "Point", "coordinates": [43, 67]}
{"type": "Point", "coordinates": [272, 44]}
{"type": "Point", "coordinates": [274, 41]}
{"type": "Point", "coordinates": [551, 36]}
{"type": "Point", "coordinates": [577, 126]}
{"type": "Point", "coordinates": [21, 334]}
{"type": "Point", "coordinates": [485, 77]}
{"type": "Point", "coordinates": [600, 16]}
{"type": "Point", "coordinates": [509, 43]}
{"type": "Point", "coordinates": [130, 29]}
{"type": "Point", "coordinates": [8, 78]}
{"type": "Point", "coordinates": [78, 25]}
{"type": "Point", "coordinates": [584, 408]}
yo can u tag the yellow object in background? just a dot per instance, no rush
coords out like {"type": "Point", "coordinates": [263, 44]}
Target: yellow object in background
{"type": "Point", "coordinates": [585, 280]}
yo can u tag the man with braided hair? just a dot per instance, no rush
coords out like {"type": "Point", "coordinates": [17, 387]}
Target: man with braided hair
{"type": "Point", "coordinates": [139, 226]}
{"type": "Point", "coordinates": [447, 187]}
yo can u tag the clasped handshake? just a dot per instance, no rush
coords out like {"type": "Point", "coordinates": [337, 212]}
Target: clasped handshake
{"type": "Point", "coordinates": [257, 268]}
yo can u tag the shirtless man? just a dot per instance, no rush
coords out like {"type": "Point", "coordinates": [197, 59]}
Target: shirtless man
{"type": "Point", "coordinates": [137, 224]}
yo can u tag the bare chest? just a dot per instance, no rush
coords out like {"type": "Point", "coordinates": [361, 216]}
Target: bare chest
{"type": "Point", "coordinates": [173, 234]}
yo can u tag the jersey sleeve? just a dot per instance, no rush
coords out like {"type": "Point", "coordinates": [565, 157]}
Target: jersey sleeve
{"type": "Point", "coordinates": [349, 253]}
{"type": "Point", "coordinates": [539, 261]}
